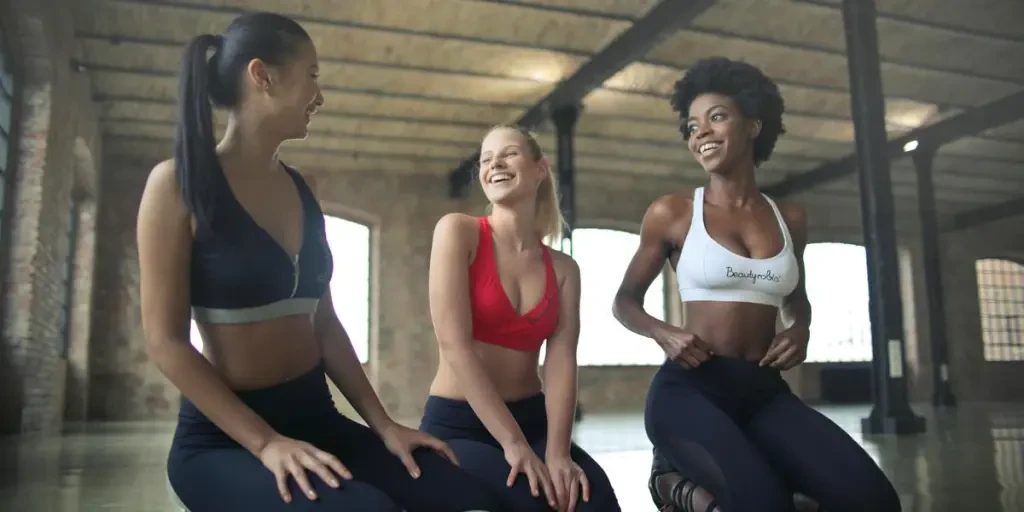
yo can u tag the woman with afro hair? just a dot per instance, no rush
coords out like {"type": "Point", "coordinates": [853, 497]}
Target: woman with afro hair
{"type": "Point", "coordinates": [728, 433]}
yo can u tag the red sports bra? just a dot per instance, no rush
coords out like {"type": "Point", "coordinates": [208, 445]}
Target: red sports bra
{"type": "Point", "coordinates": [495, 319]}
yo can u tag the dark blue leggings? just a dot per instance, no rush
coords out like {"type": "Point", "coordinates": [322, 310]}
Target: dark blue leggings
{"type": "Point", "coordinates": [208, 471]}
{"type": "Point", "coordinates": [737, 431]}
{"type": "Point", "coordinates": [479, 453]}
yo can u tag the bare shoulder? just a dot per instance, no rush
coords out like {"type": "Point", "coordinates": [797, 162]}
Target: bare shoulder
{"type": "Point", "coordinates": [565, 266]}
{"type": "Point", "coordinates": [672, 206]}
{"type": "Point", "coordinates": [456, 230]}
{"type": "Point", "coordinates": [667, 216]}
{"type": "Point", "coordinates": [162, 191]}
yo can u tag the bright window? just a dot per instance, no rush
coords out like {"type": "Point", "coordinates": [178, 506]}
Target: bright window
{"type": "Point", "coordinates": [837, 286]}
{"type": "Point", "coordinates": [350, 285]}
{"type": "Point", "coordinates": [603, 255]}
{"type": "Point", "coordinates": [1001, 306]}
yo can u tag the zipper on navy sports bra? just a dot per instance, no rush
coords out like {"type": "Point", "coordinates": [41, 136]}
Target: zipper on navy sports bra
{"type": "Point", "coordinates": [295, 275]}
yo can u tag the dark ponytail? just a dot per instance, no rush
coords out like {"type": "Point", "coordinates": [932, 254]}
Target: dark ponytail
{"type": "Point", "coordinates": [195, 151]}
{"type": "Point", "coordinates": [216, 80]}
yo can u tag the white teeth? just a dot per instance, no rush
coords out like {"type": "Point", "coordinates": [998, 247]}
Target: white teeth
{"type": "Point", "coordinates": [499, 177]}
{"type": "Point", "coordinates": [708, 146]}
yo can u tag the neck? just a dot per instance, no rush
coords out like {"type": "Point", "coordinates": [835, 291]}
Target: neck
{"type": "Point", "coordinates": [735, 188]}
{"type": "Point", "coordinates": [516, 223]}
{"type": "Point", "coordinates": [247, 140]}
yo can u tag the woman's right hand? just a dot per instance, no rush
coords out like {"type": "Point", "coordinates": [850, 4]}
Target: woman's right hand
{"type": "Point", "coordinates": [683, 347]}
{"type": "Point", "coordinates": [523, 460]}
{"type": "Point", "coordinates": [285, 456]}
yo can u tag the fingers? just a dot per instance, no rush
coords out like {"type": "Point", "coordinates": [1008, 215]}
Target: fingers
{"type": "Point", "coordinates": [547, 485]}
{"type": "Point", "coordinates": [585, 484]}
{"type": "Point", "coordinates": [776, 349]}
{"type": "Point", "coordinates": [574, 492]}
{"type": "Point", "coordinates": [299, 474]}
{"type": "Point", "coordinates": [562, 481]}
{"type": "Point", "coordinates": [282, 485]}
{"type": "Point", "coordinates": [313, 463]}
{"type": "Point", "coordinates": [788, 359]}
{"type": "Point", "coordinates": [512, 475]}
{"type": "Point", "coordinates": [532, 477]}
{"type": "Point", "coordinates": [332, 462]}
{"type": "Point", "coordinates": [410, 464]}
{"type": "Point", "coordinates": [442, 448]}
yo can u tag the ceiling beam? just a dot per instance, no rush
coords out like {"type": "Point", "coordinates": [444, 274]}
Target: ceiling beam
{"type": "Point", "coordinates": [631, 45]}
{"type": "Point", "coordinates": [985, 214]}
{"type": "Point", "coordinates": [967, 123]}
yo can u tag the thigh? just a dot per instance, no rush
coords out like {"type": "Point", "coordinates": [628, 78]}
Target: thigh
{"type": "Point", "coordinates": [232, 479]}
{"type": "Point", "coordinates": [441, 486]}
{"type": "Point", "coordinates": [817, 458]}
{"type": "Point", "coordinates": [487, 464]}
{"type": "Point", "coordinates": [602, 495]}
{"type": "Point", "coordinates": [705, 446]}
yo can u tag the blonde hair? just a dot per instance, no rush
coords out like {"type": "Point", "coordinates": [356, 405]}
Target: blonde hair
{"type": "Point", "coordinates": [547, 212]}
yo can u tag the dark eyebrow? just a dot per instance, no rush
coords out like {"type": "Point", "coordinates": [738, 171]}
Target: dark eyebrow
{"type": "Point", "coordinates": [712, 107]}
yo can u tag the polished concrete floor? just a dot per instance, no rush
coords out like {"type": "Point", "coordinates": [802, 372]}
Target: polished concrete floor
{"type": "Point", "coordinates": [971, 459]}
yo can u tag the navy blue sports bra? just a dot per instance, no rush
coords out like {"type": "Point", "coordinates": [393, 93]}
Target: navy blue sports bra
{"type": "Point", "coordinates": [240, 274]}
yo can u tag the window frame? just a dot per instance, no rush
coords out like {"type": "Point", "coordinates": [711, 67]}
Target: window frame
{"type": "Point", "coordinates": [12, 57]}
{"type": "Point", "coordinates": [1000, 352]}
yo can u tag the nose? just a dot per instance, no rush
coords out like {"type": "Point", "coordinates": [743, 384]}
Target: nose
{"type": "Point", "coordinates": [703, 130]}
{"type": "Point", "coordinates": [319, 98]}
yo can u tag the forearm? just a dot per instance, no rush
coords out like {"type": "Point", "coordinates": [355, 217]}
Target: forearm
{"type": "Point", "coordinates": [797, 313]}
{"type": "Point", "coordinates": [631, 314]}
{"type": "Point", "coordinates": [560, 390]}
{"type": "Point", "coordinates": [482, 395]}
{"type": "Point", "coordinates": [345, 370]}
{"type": "Point", "coordinates": [197, 380]}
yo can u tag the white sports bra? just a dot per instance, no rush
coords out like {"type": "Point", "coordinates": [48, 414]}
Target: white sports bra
{"type": "Point", "coordinates": [707, 271]}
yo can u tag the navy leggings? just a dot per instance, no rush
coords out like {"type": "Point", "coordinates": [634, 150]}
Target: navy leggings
{"type": "Point", "coordinates": [737, 431]}
{"type": "Point", "coordinates": [479, 453]}
{"type": "Point", "coordinates": [209, 471]}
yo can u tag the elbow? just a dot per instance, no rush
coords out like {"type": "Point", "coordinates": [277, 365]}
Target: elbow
{"type": "Point", "coordinates": [452, 348]}
{"type": "Point", "coordinates": [620, 304]}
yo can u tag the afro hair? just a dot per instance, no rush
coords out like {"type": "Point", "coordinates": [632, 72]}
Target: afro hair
{"type": "Point", "coordinates": [756, 96]}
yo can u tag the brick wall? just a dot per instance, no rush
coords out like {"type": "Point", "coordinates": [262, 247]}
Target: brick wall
{"type": "Point", "coordinates": [403, 209]}
{"type": "Point", "coordinates": [58, 135]}
{"type": "Point", "coordinates": [108, 374]}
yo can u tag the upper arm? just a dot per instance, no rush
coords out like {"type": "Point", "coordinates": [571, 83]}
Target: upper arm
{"type": "Point", "coordinates": [796, 220]}
{"type": "Point", "coordinates": [164, 239]}
{"type": "Point", "coordinates": [649, 259]}
{"type": "Point", "coordinates": [448, 281]}
{"type": "Point", "coordinates": [567, 332]}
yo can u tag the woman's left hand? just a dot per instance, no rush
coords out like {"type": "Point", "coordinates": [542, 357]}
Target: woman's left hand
{"type": "Point", "coordinates": [788, 349]}
{"type": "Point", "coordinates": [402, 441]}
{"type": "Point", "coordinates": [568, 478]}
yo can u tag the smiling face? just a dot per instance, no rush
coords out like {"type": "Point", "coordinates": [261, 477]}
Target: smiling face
{"type": "Point", "coordinates": [291, 92]}
{"type": "Point", "coordinates": [719, 137]}
{"type": "Point", "coordinates": [510, 171]}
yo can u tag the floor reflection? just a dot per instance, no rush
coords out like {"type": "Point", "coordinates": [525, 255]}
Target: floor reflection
{"type": "Point", "coordinates": [970, 459]}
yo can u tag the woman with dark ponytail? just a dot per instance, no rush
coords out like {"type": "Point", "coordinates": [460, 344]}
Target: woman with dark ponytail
{"type": "Point", "coordinates": [237, 236]}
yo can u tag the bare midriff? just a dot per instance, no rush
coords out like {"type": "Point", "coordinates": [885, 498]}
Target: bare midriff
{"type": "Point", "coordinates": [514, 373]}
{"type": "Point", "coordinates": [263, 354]}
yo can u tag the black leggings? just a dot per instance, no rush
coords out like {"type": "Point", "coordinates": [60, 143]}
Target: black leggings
{"type": "Point", "coordinates": [479, 453]}
{"type": "Point", "coordinates": [737, 431]}
{"type": "Point", "coordinates": [209, 471]}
